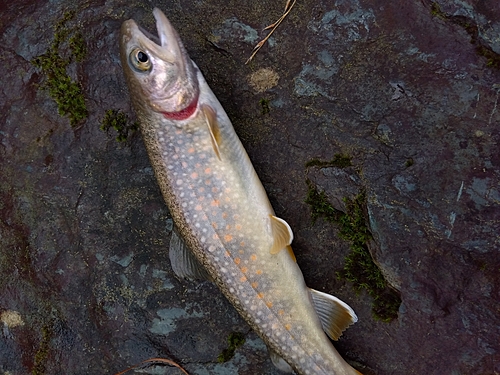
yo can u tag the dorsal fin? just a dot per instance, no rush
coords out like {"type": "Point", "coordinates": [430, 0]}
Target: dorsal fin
{"type": "Point", "coordinates": [290, 252]}
{"type": "Point", "coordinates": [282, 234]}
{"type": "Point", "coordinates": [213, 127]}
{"type": "Point", "coordinates": [335, 315]}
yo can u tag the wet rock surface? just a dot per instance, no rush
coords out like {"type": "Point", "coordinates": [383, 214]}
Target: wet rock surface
{"type": "Point", "coordinates": [408, 91]}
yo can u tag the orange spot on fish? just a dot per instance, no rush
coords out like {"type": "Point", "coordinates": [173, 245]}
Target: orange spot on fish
{"type": "Point", "coordinates": [215, 190]}
{"type": "Point", "coordinates": [241, 251]}
{"type": "Point", "coordinates": [198, 207]}
{"type": "Point", "coordinates": [244, 269]}
{"type": "Point", "coordinates": [288, 327]}
{"type": "Point", "coordinates": [253, 257]}
{"type": "Point", "coordinates": [243, 279]}
{"type": "Point", "coordinates": [224, 215]}
{"type": "Point", "coordinates": [227, 253]}
{"type": "Point", "coordinates": [255, 285]}
{"type": "Point", "coordinates": [237, 261]}
{"type": "Point", "coordinates": [228, 238]}
{"type": "Point", "coordinates": [215, 203]}
{"type": "Point", "coordinates": [208, 171]}
{"type": "Point", "coordinates": [281, 312]}
{"type": "Point", "coordinates": [260, 295]}
{"type": "Point", "coordinates": [191, 150]}
{"type": "Point", "coordinates": [194, 175]}
{"type": "Point", "coordinates": [269, 304]}
{"type": "Point", "coordinates": [184, 164]}
{"type": "Point", "coordinates": [242, 244]}
{"type": "Point", "coordinates": [208, 182]}
{"type": "Point", "coordinates": [201, 189]}
{"type": "Point", "coordinates": [238, 227]}
{"type": "Point", "coordinates": [258, 272]}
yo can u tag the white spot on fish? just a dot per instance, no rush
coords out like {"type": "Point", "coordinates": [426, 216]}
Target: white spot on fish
{"type": "Point", "coordinates": [178, 182]}
{"type": "Point", "coordinates": [211, 248]}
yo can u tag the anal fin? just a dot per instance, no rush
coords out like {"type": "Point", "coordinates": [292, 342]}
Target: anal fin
{"type": "Point", "coordinates": [282, 234]}
{"type": "Point", "coordinates": [335, 315]}
{"type": "Point", "coordinates": [183, 261]}
{"type": "Point", "coordinates": [279, 362]}
{"type": "Point", "coordinates": [213, 128]}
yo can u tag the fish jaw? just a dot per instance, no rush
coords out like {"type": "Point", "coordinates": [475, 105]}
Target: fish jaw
{"type": "Point", "coordinates": [163, 73]}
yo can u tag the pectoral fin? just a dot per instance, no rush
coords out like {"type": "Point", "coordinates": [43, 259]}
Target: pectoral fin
{"type": "Point", "coordinates": [213, 127]}
{"type": "Point", "coordinates": [282, 233]}
{"type": "Point", "coordinates": [279, 362]}
{"type": "Point", "coordinates": [183, 262]}
{"type": "Point", "coordinates": [334, 314]}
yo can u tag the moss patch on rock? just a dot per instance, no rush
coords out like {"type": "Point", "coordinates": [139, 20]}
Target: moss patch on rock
{"type": "Point", "coordinates": [68, 46]}
{"type": "Point", "coordinates": [339, 161]}
{"type": "Point", "coordinates": [235, 340]}
{"type": "Point", "coordinates": [359, 268]}
{"type": "Point", "coordinates": [119, 121]}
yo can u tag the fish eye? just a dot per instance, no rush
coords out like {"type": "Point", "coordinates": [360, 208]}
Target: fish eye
{"type": "Point", "coordinates": [140, 60]}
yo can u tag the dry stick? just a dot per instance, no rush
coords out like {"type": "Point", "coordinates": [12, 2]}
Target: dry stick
{"type": "Point", "coordinates": [273, 26]}
{"type": "Point", "coordinates": [152, 361]}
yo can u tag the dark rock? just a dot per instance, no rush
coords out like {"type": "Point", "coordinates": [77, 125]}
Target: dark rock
{"type": "Point", "coordinates": [408, 91]}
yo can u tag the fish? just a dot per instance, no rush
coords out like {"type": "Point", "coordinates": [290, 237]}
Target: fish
{"type": "Point", "coordinates": [225, 229]}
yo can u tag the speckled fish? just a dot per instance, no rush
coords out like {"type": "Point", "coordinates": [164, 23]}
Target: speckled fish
{"type": "Point", "coordinates": [226, 229]}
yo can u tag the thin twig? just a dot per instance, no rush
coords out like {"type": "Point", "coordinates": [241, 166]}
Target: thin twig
{"type": "Point", "coordinates": [273, 27]}
{"type": "Point", "coordinates": [151, 361]}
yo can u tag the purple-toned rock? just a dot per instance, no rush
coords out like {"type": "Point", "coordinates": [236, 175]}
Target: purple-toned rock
{"type": "Point", "coordinates": [409, 92]}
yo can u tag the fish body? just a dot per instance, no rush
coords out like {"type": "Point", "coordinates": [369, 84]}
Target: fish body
{"type": "Point", "coordinates": [224, 221]}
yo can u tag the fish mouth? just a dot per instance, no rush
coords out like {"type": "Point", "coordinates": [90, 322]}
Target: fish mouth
{"type": "Point", "coordinates": [165, 44]}
{"type": "Point", "coordinates": [168, 78]}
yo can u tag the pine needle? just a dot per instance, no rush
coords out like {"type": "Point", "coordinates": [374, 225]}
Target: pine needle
{"type": "Point", "coordinates": [273, 27]}
{"type": "Point", "coordinates": [152, 361]}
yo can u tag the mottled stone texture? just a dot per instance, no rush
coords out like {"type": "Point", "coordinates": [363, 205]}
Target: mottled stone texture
{"type": "Point", "coordinates": [408, 89]}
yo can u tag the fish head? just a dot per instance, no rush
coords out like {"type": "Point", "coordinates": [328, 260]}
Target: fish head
{"type": "Point", "coordinates": [159, 71]}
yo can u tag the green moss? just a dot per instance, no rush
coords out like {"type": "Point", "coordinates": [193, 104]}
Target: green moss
{"type": "Point", "coordinates": [492, 58]}
{"type": "Point", "coordinates": [359, 267]}
{"type": "Point", "coordinates": [78, 46]}
{"type": "Point", "coordinates": [68, 46]}
{"type": "Point", "coordinates": [43, 351]}
{"type": "Point", "coordinates": [436, 11]}
{"type": "Point", "coordinates": [264, 103]}
{"type": "Point", "coordinates": [235, 340]}
{"type": "Point", "coordinates": [409, 162]}
{"type": "Point", "coordinates": [339, 161]}
{"type": "Point", "coordinates": [119, 121]}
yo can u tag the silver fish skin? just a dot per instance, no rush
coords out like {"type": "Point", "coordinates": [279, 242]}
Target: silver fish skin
{"type": "Point", "coordinates": [220, 208]}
